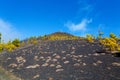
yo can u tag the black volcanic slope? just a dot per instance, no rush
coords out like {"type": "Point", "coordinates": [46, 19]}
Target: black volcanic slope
{"type": "Point", "coordinates": [62, 60]}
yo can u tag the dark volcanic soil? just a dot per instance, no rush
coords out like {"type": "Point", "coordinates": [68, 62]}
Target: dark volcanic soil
{"type": "Point", "coordinates": [62, 60]}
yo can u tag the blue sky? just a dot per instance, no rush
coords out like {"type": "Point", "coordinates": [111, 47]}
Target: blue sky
{"type": "Point", "coordinates": [25, 18]}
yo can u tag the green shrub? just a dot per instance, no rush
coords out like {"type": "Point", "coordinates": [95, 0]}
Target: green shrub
{"type": "Point", "coordinates": [112, 35]}
{"type": "Point", "coordinates": [100, 35]}
{"type": "Point", "coordinates": [59, 36]}
{"type": "Point", "coordinates": [34, 41]}
{"type": "Point", "coordinates": [9, 46]}
{"type": "Point", "coordinates": [118, 48]}
{"type": "Point", "coordinates": [110, 43]}
{"type": "Point", "coordinates": [16, 42]}
{"type": "Point", "coordinates": [89, 38]}
{"type": "Point", "coordinates": [22, 44]}
{"type": "Point", "coordinates": [0, 37]}
{"type": "Point", "coordinates": [5, 75]}
{"type": "Point", "coordinates": [1, 47]}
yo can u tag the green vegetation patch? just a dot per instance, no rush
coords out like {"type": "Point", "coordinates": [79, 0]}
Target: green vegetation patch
{"type": "Point", "coordinates": [59, 36]}
{"type": "Point", "coordinates": [5, 75]}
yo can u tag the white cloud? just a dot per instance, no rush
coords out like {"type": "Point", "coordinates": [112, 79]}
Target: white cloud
{"type": "Point", "coordinates": [85, 8]}
{"type": "Point", "coordinates": [80, 26]}
{"type": "Point", "coordinates": [8, 31]}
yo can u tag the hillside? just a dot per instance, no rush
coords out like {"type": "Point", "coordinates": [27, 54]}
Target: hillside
{"type": "Point", "coordinates": [60, 36]}
{"type": "Point", "coordinates": [62, 60]}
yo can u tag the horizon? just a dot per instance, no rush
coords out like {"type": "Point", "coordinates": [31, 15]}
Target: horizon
{"type": "Point", "coordinates": [25, 18]}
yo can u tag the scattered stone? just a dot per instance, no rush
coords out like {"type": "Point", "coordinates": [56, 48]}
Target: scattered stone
{"type": "Point", "coordinates": [63, 51]}
{"type": "Point", "coordinates": [83, 45]}
{"type": "Point", "coordinates": [36, 58]}
{"type": "Point", "coordinates": [49, 57]}
{"type": "Point", "coordinates": [18, 68]}
{"type": "Point", "coordinates": [74, 59]}
{"type": "Point", "coordinates": [73, 48]}
{"type": "Point", "coordinates": [33, 66]}
{"type": "Point", "coordinates": [52, 65]}
{"type": "Point", "coordinates": [66, 62]}
{"type": "Point", "coordinates": [89, 54]}
{"type": "Point", "coordinates": [94, 64]}
{"type": "Point", "coordinates": [11, 70]}
{"type": "Point", "coordinates": [96, 54]}
{"type": "Point", "coordinates": [99, 62]}
{"type": "Point", "coordinates": [57, 57]}
{"type": "Point", "coordinates": [9, 58]}
{"type": "Point", "coordinates": [116, 64]}
{"type": "Point", "coordinates": [81, 71]}
{"type": "Point", "coordinates": [84, 64]}
{"type": "Point", "coordinates": [59, 70]}
{"type": "Point", "coordinates": [20, 65]}
{"type": "Point", "coordinates": [58, 66]}
{"type": "Point", "coordinates": [36, 76]}
{"type": "Point", "coordinates": [63, 58]}
{"type": "Point", "coordinates": [76, 64]}
{"type": "Point", "coordinates": [85, 56]}
{"type": "Point", "coordinates": [54, 60]}
{"type": "Point", "coordinates": [73, 52]}
{"type": "Point", "coordinates": [80, 56]}
{"type": "Point", "coordinates": [45, 64]}
{"type": "Point", "coordinates": [48, 48]}
{"type": "Point", "coordinates": [45, 52]}
{"type": "Point", "coordinates": [67, 55]}
{"type": "Point", "coordinates": [54, 54]}
{"type": "Point", "coordinates": [78, 60]}
{"type": "Point", "coordinates": [50, 78]}
{"type": "Point", "coordinates": [114, 52]}
{"type": "Point", "coordinates": [58, 62]}
{"type": "Point", "coordinates": [13, 65]}
{"type": "Point", "coordinates": [108, 68]}
{"type": "Point", "coordinates": [48, 60]}
{"type": "Point", "coordinates": [102, 53]}
{"type": "Point", "coordinates": [20, 59]}
{"type": "Point", "coordinates": [41, 57]}
{"type": "Point", "coordinates": [75, 56]}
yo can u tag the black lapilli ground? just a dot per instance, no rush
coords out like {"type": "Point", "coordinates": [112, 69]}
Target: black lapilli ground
{"type": "Point", "coordinates": [62, 60]}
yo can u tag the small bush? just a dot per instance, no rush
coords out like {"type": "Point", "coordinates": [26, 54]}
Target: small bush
{"type": "Point", "coordinates": [110, 43]}
{"type": "Point", "coordinates": [89, 38]}
{"type": "Point", "coordinates": [22, 44]}
{"type": "Point", "coordinates": [112, 35]}
{"type": "Point", "coordinates": [34, 41]}
{"type": "Point", "coordinates": [9, 46]}
{"type": "Point", "coordinates": [59, 36]}
{"type": "Point", "coordinates": [1, 47]}
{"type": "Point", "coordinates": [100, 35]}
{"type": "Point", "coordinates": [16, 42]}
{"type": "Point", "coordinates": [0, 37]}
{"type": "Point", "coordinates": [5, 75]}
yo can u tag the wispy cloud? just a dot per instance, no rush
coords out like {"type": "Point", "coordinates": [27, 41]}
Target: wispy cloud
{"type": "Point", "coordinates": [84, 15]}
{"type": "Point", "coordinates": [82, 26]}
{"type": "Point", "coordinates": [8, 31]}
{"type": "Point", "coordinates": [85, 9]}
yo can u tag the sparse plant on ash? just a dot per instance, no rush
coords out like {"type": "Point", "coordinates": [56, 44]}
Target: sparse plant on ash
{"type": "Point", "coordinates": [9, 46]}
{"type": "Point", "coordinates": [89, 38]}
{"type": "Point", "coordinates": [16, 42]}
{"type": "Point", "coordinates": [111, 43]}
